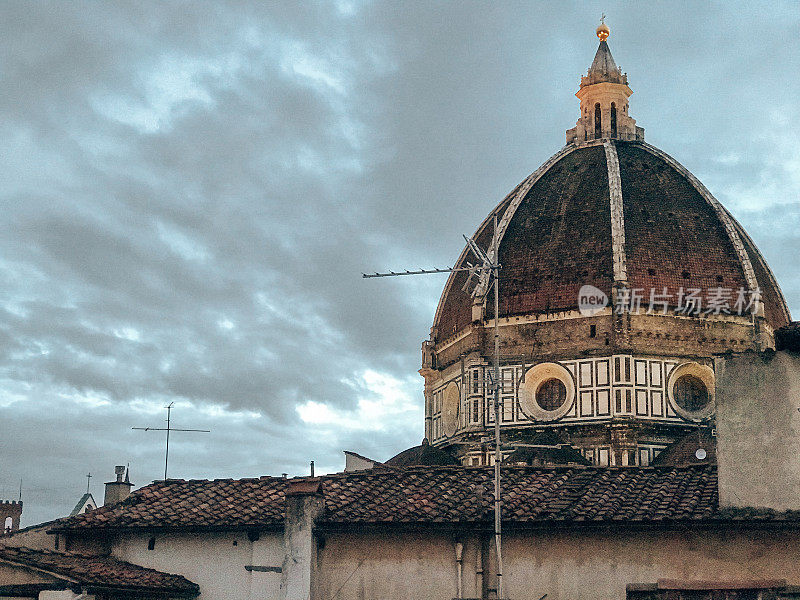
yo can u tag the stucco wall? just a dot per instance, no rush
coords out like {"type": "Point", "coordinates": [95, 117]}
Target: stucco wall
{"type": "Point", "coordinates": [14, 575]}
{"type": "Point", "coordinates": [211, 561]}
{"type": "Point", "coordinates": [564, 565]}
{"type": "Point", "coordinates": [31, 537]}
{"type": "Point", "coordinates": [400, 566]}
{"type": "Point", "coordinates": [595, 566]}
{"type": "Point", "coordinates": [758, 430]}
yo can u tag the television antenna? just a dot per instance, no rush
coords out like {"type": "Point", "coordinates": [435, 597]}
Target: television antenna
{"type": "Point", "coordinates": [487, 272]}
{"type": "Point", "coordinates": [169, 429]}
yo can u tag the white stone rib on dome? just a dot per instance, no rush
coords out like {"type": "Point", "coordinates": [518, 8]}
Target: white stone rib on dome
{"type": "Point", "coordinates": [722, 214]}
{"type": "Point", "coordinates": [519, 194]}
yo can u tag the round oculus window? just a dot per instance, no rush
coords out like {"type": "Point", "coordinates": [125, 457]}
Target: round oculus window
{"type": "Point", "coordinates": [690, 388]}
{"type": "Point", "coordinates": [547, 392]}
{"type": "Point", "coordinates": [690, 393]}
{"type": "Point", "coordinates": [551, 394]}
{"type": "Point", "coordinates": [450, 402]}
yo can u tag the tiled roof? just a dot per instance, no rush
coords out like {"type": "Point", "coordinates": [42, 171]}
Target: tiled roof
{"type": "Point", "coordinates": [423, 455]}
{"type": "Point", "coordinates": [531, 495]}
{"type": "Point", "coordinates": [193, 503]}
{"type": "Point", "coordinates": [101, 571]}
{"type": "Point", "coordinates": [683, 451]}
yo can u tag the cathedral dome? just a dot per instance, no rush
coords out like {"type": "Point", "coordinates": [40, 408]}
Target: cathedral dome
{"type": "Point", "coordinates": [621, 280]}
{"type": "Point", "coordinates": [610, 212]}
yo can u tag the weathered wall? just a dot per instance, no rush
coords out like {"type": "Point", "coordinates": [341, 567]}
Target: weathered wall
{"type": "Point", "coordinates": [13, 575]}
{"type": "Point", "coordinates": [396, 565]}
{"type": "Point", "coordinates": [212, 561]}
{"type": "Point", "coordinates": [63, 595]}
{"type": "Point", "coordinates": [758, 430]}
{"type": "Point", "coordinates": [304, 505]}
{"type": "Point", "coordinates": [596, 566]}
{"type": "Point", "coordinates": [35, 537]}
{"type": "Point", "coordinates": [566, 335]}
{"type": "Point", "coordinates": [564, 565]}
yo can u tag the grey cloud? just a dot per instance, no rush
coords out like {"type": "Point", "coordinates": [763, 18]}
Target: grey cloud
{"type": "Point", "coordinates": [193, 189]}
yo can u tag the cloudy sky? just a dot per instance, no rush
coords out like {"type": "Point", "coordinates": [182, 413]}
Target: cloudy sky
{"type": "Point", "coordinates": [190, 191]}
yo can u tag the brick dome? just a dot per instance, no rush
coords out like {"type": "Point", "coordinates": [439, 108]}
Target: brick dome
{"type": "Point", "coordinates": [621, 280]}
{"type": "Point", "coordinates": [605, 213]}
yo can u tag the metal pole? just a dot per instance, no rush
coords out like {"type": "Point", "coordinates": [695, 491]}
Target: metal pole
{"type": "Point", "coordinates": [498, 457]}
{"type": "Point", "coordinates": [166, 454]}
{"type": "Point", "coordinates": [169, 429]}
{"type": "Point", "coordinates": [493, 266]}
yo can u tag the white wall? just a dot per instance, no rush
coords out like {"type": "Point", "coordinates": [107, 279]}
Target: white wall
{"type": "Point", "coordinates": [211, 561]}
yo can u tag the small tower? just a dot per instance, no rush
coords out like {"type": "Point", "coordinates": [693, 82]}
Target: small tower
{"type": "Point", "coordinates": [10, 513]}
{"type": "Point", "coordinates": [604, 94]}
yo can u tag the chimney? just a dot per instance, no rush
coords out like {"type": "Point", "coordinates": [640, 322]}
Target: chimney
{"type": "Point", "coordinates": [117, 491]}
{"type": "Point", "coordinates": [305, 504]}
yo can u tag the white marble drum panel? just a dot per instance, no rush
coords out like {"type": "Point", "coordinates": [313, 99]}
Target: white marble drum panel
{"type": "Point", "coordinates": [622, 385]}
{"type": "Point", "coordinates": [600, 388]}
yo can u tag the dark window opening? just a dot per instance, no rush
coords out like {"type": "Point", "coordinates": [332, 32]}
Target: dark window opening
{"type": "Point", "coordinates": [685, 274]}
{"type": "Point", "coordinates": [691, 393]}
{"type": "Point", "coordinates": [151, 543]}
{"type": "Point", "coordinates": [552, 394]}
{"type": "Point", "coordinates": [613, 119]}
{"type": "Point", "coordinates": [592, 330]}
{"type": "Point", "coordinates": [598, 129]}
{"type": "Point", "coordinates": [719, 278]}
{"type": "Point", "coordinates": [651, 272]}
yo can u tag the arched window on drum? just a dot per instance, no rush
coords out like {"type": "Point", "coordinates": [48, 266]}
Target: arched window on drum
{"type": "Point", "coordinates": [598, 122]}
{"type": "Point", "coordinates": [613, 120]}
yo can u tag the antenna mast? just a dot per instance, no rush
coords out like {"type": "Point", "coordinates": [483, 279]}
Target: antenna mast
{"type": "Point", "coordinates": [487, 271]}
{"type": "Point", "coordinates": [168, 429]}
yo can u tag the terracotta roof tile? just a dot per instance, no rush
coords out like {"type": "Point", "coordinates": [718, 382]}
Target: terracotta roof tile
{"type": "Point", "coordinates": [179, 503]}
{"type": "Point", "coordinates": [435, 495]}
{"type": "Point", "coordinates": [99, 570]}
